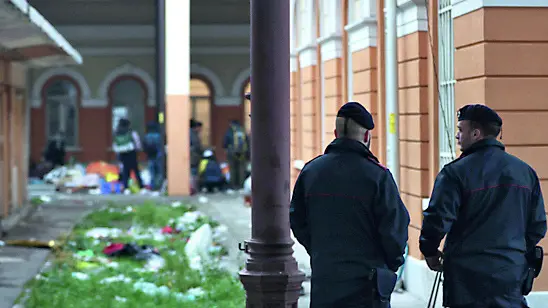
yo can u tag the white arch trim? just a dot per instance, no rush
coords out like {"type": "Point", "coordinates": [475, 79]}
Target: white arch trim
{"type": "Point", "coordinates": [218, 88]}
{"type": "Point", "coordinates": [239, 82]}
{"type": "Point", "coordinates": [40, 82]}
{"type": "Point", "coordinates": [131, 70]}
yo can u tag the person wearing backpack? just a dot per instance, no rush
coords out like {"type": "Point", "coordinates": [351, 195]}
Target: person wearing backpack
{"type": "Point", "coordinates": [236, 145]}
{"type": "Point", "coordinates": [210, 175]}
{"type": "Point", "coordinates": [126, 143]}
{"type": "Point", "coordinates": [154, 150]}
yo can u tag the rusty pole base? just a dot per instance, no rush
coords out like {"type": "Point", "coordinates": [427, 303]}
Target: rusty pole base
{"type": "Point", "coordinates": [271, 277]}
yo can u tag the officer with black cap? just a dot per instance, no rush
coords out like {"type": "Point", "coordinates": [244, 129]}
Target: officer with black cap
{"type": "Point", "coordinates": [347, 212]}
{"type": "Point", "coordinates": [490, 206]}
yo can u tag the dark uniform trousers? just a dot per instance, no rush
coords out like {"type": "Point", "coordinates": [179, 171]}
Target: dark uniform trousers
{"type": "Point", "coordinates": [497, 302]}
{"type": "Point", "coordinates": [354, 293]}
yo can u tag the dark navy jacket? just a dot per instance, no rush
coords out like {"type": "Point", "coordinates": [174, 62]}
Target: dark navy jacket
{"type": "Point", "coordinates": [346, 211]}
{"type": "Point", "coordinates": [489, 204]}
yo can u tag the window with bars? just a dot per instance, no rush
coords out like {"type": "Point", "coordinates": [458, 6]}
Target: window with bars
{"type": "Point", "coordinates": [446, 74]}
{"type": "Point", "coordinates": [61, 100]}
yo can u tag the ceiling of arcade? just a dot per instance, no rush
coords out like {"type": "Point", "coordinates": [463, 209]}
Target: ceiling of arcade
{"type": "Point", "coordinates": [108, 24]}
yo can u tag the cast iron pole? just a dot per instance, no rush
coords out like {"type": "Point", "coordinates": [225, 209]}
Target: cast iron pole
{"type": "Point", "coordinates": [161, 73]}
{"type": "Point", "coordinates": [271, 277]}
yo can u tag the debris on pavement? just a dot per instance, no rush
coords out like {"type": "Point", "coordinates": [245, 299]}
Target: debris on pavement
{"type": "Point", "coordinates": [146, 256]}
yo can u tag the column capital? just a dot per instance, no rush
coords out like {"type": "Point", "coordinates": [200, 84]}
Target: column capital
{"type": "Point", "coordinates": [463, 7]}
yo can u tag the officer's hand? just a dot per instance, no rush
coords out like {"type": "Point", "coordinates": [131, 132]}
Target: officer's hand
{"type": "Point", "coordinates": [435, 262]}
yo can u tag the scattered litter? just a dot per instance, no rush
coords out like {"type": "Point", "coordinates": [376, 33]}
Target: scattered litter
{"type": "Point", "coordinates": [203, 199]}
{"type": "Point", "coordinates": [119, 278]}
{"type": "Point", "coordinates": [45, 199]}
{"type": "Point", "coordinates": [201, 248]}
{"type": "Point", "coordinates": [98, 233]}
{"type": "Point", "coordinates": [80, 276]}
{"type": "Point", "coordinates": [155, 263]}
{"type": "Point", "coordinates": [120, 299]}
{"type": "Point", "coordinates": [197, 247]}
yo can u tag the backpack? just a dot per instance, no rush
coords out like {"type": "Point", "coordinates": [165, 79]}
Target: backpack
{"type": "Point", "coordinates": [239, 141]}
{"type": "Point", "coordinates": [123, 143]}
{"type": "Point", "coordinates": [152, 144]}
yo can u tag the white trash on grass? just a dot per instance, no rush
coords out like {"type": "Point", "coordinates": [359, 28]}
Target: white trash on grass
{"type": "Point", "coordinates": [80, 276]}
{"type": "Point", "coordinates": [97, 233]}
{"type": "Point", "coordinates": [197, 247]}
{"type": "Point", "coordinates": [153, 290]}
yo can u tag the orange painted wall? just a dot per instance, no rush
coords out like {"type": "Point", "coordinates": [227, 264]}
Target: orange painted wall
{"type": "Point", "coordinates": [413, 129]}
{"type": "Point", "coordinates": [308, 104]}
{"type": "Point", "coordinates": [364, 68]}
{"type": "Point", "coordinates": [500, 61]}
{"type": "Point", "coordinates": [294, 131]}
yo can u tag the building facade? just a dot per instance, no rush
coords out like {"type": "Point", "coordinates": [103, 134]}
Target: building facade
{"type": "Point", "coordinates": [118, 77]}
{"type": "Point", "coordinates": [450, 53]}
{"type": "Point", "coordinates": [28, 42]}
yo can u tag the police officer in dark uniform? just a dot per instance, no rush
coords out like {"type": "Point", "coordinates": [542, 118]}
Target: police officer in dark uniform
{"type": "Point", "coordinates": [490, 205]}
{"type": "Point", "coordinates": [347, 212]}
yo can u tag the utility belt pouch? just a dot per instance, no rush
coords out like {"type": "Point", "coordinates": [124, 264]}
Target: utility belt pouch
{"type": "Point", "coordinates": [384, 282]}
{"type": "Point", "coordinates": [534, 266]}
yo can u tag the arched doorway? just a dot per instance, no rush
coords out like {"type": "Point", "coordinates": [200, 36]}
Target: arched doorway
{"type": "Point", "coordinates": [200, 107]}
{"type": "Point", "coordinates": [247, 109]}
{"type": "Point", "coordinates": [128, 96]}
{"type": "Point", "coordinates": [61, 97]}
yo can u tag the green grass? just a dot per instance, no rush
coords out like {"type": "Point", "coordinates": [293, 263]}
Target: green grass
{"type": "Point", "coordinates": [56, 287]}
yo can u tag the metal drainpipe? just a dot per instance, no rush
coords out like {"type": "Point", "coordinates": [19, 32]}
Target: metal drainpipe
{"type": "Point", "coordinates": [161, 72]}
{"type": "Point", "coordinates": [392, 129]}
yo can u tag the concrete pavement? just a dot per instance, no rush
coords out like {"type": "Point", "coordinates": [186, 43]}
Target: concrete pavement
{"type": "Point", "coordinates": [20, 264]}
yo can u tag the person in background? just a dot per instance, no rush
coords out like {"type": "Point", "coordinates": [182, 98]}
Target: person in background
{"type": "Point", "coordinates": [154, 150]}
{"type": "Point", "coordinates": [55, 150]}
{"type": "Point", "coordinates": [210, 175]}
{"type": "Point", "coordinates": [126, 145]}
{"type": "Point", "coordinates": [236, 144]}
{"type": "Point", "coordinates": [195, 145]}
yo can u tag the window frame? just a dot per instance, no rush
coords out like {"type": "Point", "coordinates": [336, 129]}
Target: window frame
{"type": "Point", "coordinates": [74, 102]}
{"type": "Point", "coordinates": [446, 72]}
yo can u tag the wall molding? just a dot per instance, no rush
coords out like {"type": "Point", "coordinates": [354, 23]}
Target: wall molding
{"type": "Point", "coordinates": [218, 87]}
{"type": "Point", "coordinates": [221, 50]}
{"type": "Point", "coordinates": [127, 70]}
{"type": "Point", "coordinates": [463, 7]}
{"type": "Point", "coordinates": [227, 101]}
{"type": "Point", "coordinates": [40, 82]}
{"type": "Point", "coordinates": [362, 34]}
{"type": "Point", "coordinates": [293, 62]}
{"type": "Point", "coordinates": [151, 51]}
{"type": "Point", "coordinates": [411, 17]}
{"type": "Point", "coordinates": [147, 32]}
{"type": "Point", "coordinates": [238, 83]}
{"type": "Point", "coordinates": [330, 47]}
{"type": "Point", "coordinates": [307, 55]}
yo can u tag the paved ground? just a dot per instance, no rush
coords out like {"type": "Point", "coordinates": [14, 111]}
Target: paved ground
{"type": "Point", "coordinates": [19, 264]}
{"type": "Point", "coordinates": [229, 210]}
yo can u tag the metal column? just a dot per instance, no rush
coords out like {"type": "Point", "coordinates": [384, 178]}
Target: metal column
{"type": "Point", "coordinates": [271, 277]}
{"type": "Point", "coordinates": [161, 72]}
{"type": "Point", "coordinates": [392, 121]}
